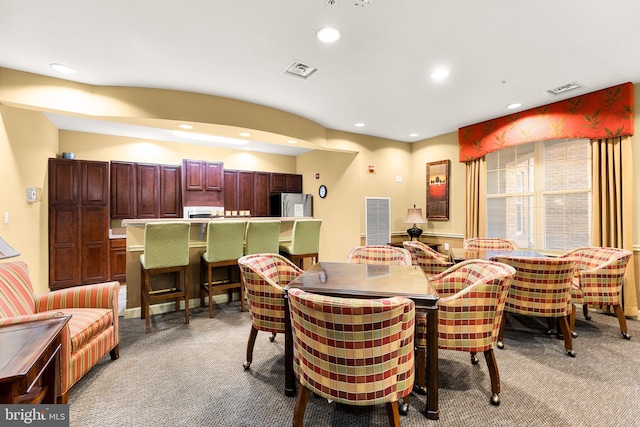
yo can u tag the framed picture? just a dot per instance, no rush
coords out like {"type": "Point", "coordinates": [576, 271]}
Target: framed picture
{"type": "Point", "coordinates": [438, 190]}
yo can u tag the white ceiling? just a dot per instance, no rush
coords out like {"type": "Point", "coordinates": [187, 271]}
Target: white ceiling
{"type": "Point", "coordinates": [498, 52]}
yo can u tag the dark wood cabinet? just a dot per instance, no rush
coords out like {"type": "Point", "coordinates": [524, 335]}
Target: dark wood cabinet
{"type": "Point", "coordinates": [285, 183]}
{"type": "Point", "coordinates": [294, 183]}
{"type": "Point", "coordinates": [261, 181]}
{"type": "Point", "coordinates": [78, 222]}
{"type": "Point", "coordinates": [147, 190]}
{"type": "Point", "coordinates": [245, 191]}
{"type": "Point", "coordinates": [202, 183]}
{"type": "Point", "coordinates": [123, 190]}
{"type": "Point", "coordinates": [118, 260]}
{"type": "Point", "coordinates": [170, 206]}
{"type": "Point", "coordinates": [193, 175]}
{"type": "Point", "coordinates": [231, 200]}
{"type": "Point", "coordinates": [213, 176]}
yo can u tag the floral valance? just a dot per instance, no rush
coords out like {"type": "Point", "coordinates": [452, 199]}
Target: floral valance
{"type": "Point", "coordinates": [602, 114]}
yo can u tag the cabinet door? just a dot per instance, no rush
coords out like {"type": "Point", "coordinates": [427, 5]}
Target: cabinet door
{"type": "Point", "coordinates": [245, 191]}
{"type": "Point", "coordinates": [193, 175]}
{"type": "Point", "coordinates": [118, 260]}
{"type": "Point", "coordinates": [123, 190]}
{"type": "Point", "coordinates": [213, 176]}
{"type": "Point", "coordinates": [170, 192]}
{"type": "Point", "coordinates": [231, 201]}
{"type": "Point", "coordinates": [261, 194]}
{"type": "Point", "coordinates": [294, 183]}
{"type": "Point", "coordinates": [63, 182]}
{"type": "Point", "coordinates": [278, 183]}
{"type": "Point", "coordinates": [64, 246]}
{"type": "Point", "coordinates": [94, 237]}
{"type": "Point", "coordinates": [95, 183]}
{"type": "Point", "coordinates": [148, 183]}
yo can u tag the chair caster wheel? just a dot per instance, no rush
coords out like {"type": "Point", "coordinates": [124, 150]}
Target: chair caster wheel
{"type": "Point", "coordinates": [403, 407]}
{"type": "Point", "coordinates": [574, 334]}
{"type": "Point", "coordinates": [420, 390]}
{"type": "Point", "coordinates": [626, 336]}
{"type": "Point", "coordinates": [500, 345]}
{"type": "Point", "coordinates": [272, 338]}
{"type": "Point", "coordinates": [571, 353]}
{"type": "Point", "coordinates": [587, 317]}
{"type": "Point", "coordinates": [474, 359]}
{"type": "Point", "coordinates": [246, 365]}
{"type": "Point", "coordinates": [495, 399]}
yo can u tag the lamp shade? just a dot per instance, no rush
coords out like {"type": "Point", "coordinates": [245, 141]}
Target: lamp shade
{"type": "Point", "coordinates": [414, 216]}
{"type": "Point", "coordinates": [7, 251]}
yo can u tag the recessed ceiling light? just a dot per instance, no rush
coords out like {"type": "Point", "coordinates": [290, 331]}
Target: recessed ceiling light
{"type": "Point", "coordinates": [245, 134]}
{"type": "Point", "coordinates": [514, 105]}
{"type": "Point", "coordinates": [359, 125]}
{"type": "Point", "coordinates": [62, 68]}
{"type": "Point", "coordinates": [292, 141]}
{"type": "Point", "coordinates": [328, 35]}
{"type": "Point", "coordinates": [440, 74]}
{"type": "Point", "coordinates": [413, 135]}
{"type": "Point", "coordinates": [185, 126]}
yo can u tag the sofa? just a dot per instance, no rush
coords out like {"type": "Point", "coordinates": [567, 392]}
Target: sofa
{"type": "Point", "coordinates": [91, 332]}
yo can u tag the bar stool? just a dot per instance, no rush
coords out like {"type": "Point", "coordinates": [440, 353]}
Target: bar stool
{"type": "Point", "coordinates": [262, 237]}
{"type": "Point", "coordinates": [225, 245]}
{"type": "Point", "coordinates": [305, 239]}
{"type": "Point", "coordinates": [166, 250]}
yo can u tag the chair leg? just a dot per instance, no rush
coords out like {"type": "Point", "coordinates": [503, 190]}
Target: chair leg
{"type": "Point", "coordinates": [241, 295]}
{"type": "Point", "coordinates": [623, 322]}
{"type": "Point", "coordinates": [500, 342]}
{"type": "Point", "coordinates": [210, 288]}
{"type": "Point", "coordinates": [585, 311]}
{"type": "Point", "coordinates": [115, 352]}
{"type": "Point", "coordinates": [393, 414]}
{"type": "Point", "coordinates": [490, 358]}
{"type": "Point", "coordinates": [566, 333]}
{"type": "Point", "coordinates": [572, 321]}
{"type": "Point", "coordinates": [421, 363]}
{"type": "Point", "coordinates": [203, 285]}
{"type": "Point", "coordinates": [250, 344]}
{"type": "Point", "coordinates": [186, 294]}
{"type": "Point", "coordinates": [301, 405]}
{"type": "Point", "coordinates": [145, 300]}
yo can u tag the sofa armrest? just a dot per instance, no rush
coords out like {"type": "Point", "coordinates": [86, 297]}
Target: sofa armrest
{"type": "Point", "coordinates": [99, 295]}
{"type": "Point", "coordinates": [30, 317]}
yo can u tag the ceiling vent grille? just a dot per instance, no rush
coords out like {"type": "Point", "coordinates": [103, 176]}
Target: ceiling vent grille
{"type": "Point", "coordinates": [564, 89]}
{"type": "Point", "coordinates": [299, 70]}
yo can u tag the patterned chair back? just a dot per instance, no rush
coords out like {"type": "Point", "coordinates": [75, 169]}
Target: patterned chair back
{"type": "Point", "coordinates": [225, 241]}
{"type": "Point", "coordinates": [541, 286]}
{"type": "Point", "coordinates": [264, 277]}
{"type": "Point", "coordinates": [430, 261]}
{"type": "Point", "coordinates": [166, 244]}
{"type": "Point", "coordinates": [326, 331]}
{"type": "Point", "coordinates": [379, 254]}
{"type": "Point", "coordinates": [472, 297]}
{"type": "Point", "coordinates": [489, 244]}
{"type": "Point", "coordinates": [16, 292]}
{"type": "Point", "coordinates": [262, 237]}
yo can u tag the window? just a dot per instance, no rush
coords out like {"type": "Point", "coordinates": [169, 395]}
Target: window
{"type": "Point", "coordinates": [552, 212]}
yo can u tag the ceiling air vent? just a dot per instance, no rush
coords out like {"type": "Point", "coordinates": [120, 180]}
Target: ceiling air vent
{"type": "Point", "coordinates": [564, 88]}
{"type": "Point", "coordinates": [299, 70]}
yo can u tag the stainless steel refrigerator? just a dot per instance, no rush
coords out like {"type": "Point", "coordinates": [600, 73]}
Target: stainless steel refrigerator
{"type": "Point", "coordinates": [292, 205]}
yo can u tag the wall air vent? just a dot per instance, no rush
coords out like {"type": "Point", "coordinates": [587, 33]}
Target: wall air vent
{"type": "Point", "coordinates": [564, 88]}
{"type": "Point", "coordinates": [299, 70]}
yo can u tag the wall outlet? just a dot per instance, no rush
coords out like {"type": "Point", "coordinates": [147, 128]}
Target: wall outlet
{"type": "Point", "coordinates": [446, 246]}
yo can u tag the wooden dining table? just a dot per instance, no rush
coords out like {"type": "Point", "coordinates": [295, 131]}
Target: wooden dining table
{"type": "Point", "coordinates": [371, 281]}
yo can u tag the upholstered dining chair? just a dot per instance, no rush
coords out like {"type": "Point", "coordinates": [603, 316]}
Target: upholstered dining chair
{"type": "Point", "coordinates": [489, 244]}
{"type": "Point", "coordinates": [431, 262]}
{"type": "Point", "coordinates": [225, 245]}
{"type": "Point", "coordinates": [262, 237]}
{"type": "Point", "coordinates": [470, 309]}
{"type": "Point", "coordinates": [305, 241]}
{"type": "Point", "coordinates": [166, 250]}
{"type": "Point", "coordinates": [541, 288]}
{"type": "Point", "coordinates": [598, 279]}
{"type": "Point", "coordinates": [378, 254]}
{"type": "Point", "coordinates": [352, 351]}
{"type": "Point", "coordinates": [264, 277]}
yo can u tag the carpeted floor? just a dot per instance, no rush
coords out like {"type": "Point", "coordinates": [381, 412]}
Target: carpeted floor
{"type": "Point", "coordinates": [192, 375]}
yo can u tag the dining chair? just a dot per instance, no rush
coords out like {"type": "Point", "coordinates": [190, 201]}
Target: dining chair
{"type": "Point", "coordinates": [541, 288]}
{"type": "Point", "coordinates": [166, 250]}
{"type": "Point", "coordinates": [305, 241]}
{"type": "Point", "coordinates": [264, 277]}
{"type": "Point", "coordinates": [470, 311]}
{"type": "Point", "coordinates": [262, 237]}
{"type": "Point", "coordinates": [378, 254]}
{"type": "Point", "coordinates": [352, 351]}
{"type": "Point", "coordinates": [431, 262]}
{"type": "Point", "coordinates": [489, 244]}
{"type": "Point", "coordinates": [225, 245]}
{"type": "Point", "coordinates": [598, 279]}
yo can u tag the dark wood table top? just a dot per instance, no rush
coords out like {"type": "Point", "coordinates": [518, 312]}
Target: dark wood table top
{"type": "Point", "coordinates": [368, 281]}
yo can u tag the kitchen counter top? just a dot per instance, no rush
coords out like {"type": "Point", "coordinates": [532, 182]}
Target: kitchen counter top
{"type": "Point", "coordinates": [140, 222]}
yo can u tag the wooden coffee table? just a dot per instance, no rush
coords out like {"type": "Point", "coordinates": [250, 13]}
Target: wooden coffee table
{"type": "Point", "coordinates": [371, 281]}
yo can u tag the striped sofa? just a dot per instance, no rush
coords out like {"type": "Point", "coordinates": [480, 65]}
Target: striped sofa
{"type": "Point", "coordinates": [90, 334]}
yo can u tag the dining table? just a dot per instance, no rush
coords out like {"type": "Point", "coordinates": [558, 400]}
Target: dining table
{"type": "Point", "coordinates": [371, 281]}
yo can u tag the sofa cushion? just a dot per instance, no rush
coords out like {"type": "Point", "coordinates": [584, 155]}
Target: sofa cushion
{"type": "Point", "coordinates": [86, 324]}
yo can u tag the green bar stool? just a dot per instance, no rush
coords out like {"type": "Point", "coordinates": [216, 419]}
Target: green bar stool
{"type": "Point", "coordinates": [262, 237]}
{"type": "Point", "coordinates": [166, 250]}
{"type": "Point", "coordinates": [225, 245]}
{"type": "Point", "coordinates": [305, 239]}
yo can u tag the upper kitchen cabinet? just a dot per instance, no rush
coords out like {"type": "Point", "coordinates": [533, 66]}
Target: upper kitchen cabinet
{"type": "Point", "coordinates": [285, 183]}
{"type": "Point", "coordinates": [202, 183]}
{"type": "Point", "coordinates": [123, 190]}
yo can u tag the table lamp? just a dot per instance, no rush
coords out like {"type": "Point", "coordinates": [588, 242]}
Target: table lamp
{"type": "Point", "coordinates": [7, 251]}
{"type": "Point", "coordinates": [414, 216]}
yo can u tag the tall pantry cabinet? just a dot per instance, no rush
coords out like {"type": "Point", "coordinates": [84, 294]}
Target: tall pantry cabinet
{"type": "Point", "coordinates": [78, 222]}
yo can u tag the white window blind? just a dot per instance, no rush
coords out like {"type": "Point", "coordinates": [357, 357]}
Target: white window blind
{"type": "Point", "coordinates": [378, 220]}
